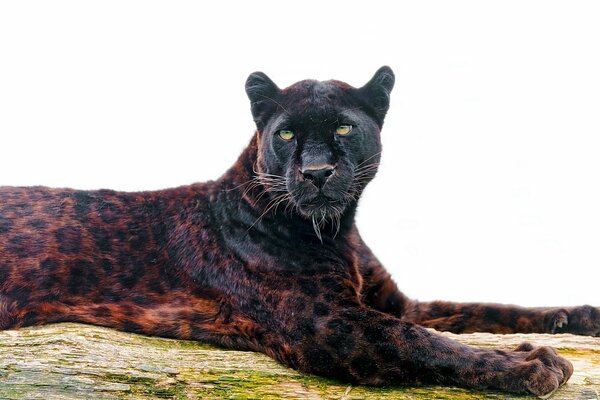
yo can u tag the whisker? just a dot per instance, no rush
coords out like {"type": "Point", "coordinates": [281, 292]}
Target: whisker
{"type": "Point", "coordinates": [276, 102]}
{"type": "Point", "coordinates": [273, 203]}
{"type": "Point", "coordinates": [374, 155]}
{"type": "Point", "coordinates": [316, 228]}
{"type": "Point", "coordinates": [367, 167]}
{"type": "Point", "coordinates": [239, 186]}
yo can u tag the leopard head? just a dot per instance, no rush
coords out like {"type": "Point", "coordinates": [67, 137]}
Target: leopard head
{"type": "Point", "coordinates": [318, 142]}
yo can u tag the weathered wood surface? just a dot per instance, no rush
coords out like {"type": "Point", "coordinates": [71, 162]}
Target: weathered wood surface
{"type": "Point", "coordinates": [71, 361]}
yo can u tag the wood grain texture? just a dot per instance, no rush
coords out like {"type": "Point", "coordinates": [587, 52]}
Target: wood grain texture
{"type": "Point", "coordinates": [73, 361]}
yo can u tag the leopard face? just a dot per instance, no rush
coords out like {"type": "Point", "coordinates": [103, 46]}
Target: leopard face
{"type": "Point", "coordinates": [319, 142]}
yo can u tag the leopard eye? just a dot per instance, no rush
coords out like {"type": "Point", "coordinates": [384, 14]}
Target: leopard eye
{"type": "Point", "coordinates": [343, 130]}
{"type": "Point", "coordinates": [286, 134]}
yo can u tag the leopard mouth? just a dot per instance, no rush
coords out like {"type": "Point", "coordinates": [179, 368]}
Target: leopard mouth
{"type": "Point", "coordinates": [321, 205]}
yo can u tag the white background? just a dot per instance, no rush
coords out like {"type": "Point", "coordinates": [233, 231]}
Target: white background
{"type": "Point", "coordinates": [489, 188]}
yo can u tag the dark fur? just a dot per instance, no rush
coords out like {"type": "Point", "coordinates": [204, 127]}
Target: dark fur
{"type": "Point", "coordinates": [262, 260]}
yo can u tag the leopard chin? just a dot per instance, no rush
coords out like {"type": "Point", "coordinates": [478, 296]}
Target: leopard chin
{"type": "Point", "coordinates": [324, 213]}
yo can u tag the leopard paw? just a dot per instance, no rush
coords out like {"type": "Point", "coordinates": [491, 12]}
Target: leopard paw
{"type": "Point", "coordinates": [584, 320]}
{"type": "Point", "coordinates": [541, 370]}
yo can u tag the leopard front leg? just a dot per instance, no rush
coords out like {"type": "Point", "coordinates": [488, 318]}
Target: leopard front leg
{"type": "Point", "coordinates": [364, 346]}
{"type": "Point", "coordinates": [318, 324]}
{"type": "Point", "coordinates": [501, 318]}
{"type": "Point", "coordinates": [381, 293]}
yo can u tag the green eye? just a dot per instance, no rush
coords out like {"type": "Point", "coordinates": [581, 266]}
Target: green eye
{"type": "Point", "coordinates": [343, 130]}
{"type": "Point", "coordinates": [286, 135]}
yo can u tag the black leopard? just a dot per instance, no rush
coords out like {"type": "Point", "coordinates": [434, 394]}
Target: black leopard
{"type": "Point", "coordinates": [266, 258]}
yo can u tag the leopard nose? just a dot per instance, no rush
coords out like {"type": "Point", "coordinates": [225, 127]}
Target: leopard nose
{"type": "Point", "coordinates": [319, 175]}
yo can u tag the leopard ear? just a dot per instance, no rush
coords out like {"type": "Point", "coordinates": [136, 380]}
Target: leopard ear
{"type": "Point", "coordinates": [376, 93]}
{"type": "Point", "coordinates": [261, 91]}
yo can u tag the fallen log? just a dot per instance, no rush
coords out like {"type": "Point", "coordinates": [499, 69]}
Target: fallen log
{"type": "Point", "coordinates": [73, 361]}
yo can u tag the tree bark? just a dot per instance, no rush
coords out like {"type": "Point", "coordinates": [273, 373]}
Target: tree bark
{"type": "Point", "coordinates": [73, 361]}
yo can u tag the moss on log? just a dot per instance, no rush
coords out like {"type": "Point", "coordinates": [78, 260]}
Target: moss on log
{"type": "Point", "coordinates": [72, 361]}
